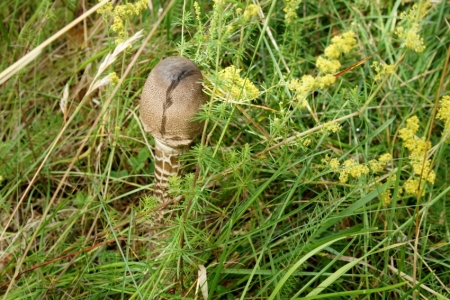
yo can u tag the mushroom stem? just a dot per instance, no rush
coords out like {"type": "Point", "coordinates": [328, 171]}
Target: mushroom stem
{"type": "Point", "coordinates": [166, 165]}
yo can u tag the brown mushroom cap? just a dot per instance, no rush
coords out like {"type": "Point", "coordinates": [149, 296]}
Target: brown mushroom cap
{"type": "Point", "coordinates": [172, 96]}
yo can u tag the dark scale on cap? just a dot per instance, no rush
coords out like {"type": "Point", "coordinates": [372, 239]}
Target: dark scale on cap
{"type": "Point", "coordinates": [183, 73]}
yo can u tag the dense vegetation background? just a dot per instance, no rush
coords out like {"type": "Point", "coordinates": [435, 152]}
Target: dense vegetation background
{"type": "Point", "coordinates": [322, 170]}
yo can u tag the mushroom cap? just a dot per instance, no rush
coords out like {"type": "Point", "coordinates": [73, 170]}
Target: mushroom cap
{"type": "Point", "coordinates": [171, 97]}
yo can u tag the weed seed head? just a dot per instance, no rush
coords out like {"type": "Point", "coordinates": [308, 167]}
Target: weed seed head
{"type": "Point", "coordinates": [291, 10]}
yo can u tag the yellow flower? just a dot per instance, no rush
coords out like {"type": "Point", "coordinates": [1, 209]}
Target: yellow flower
{"type": "Point", "coordinates": [106, 10]}
{"type": "Point", "coordinates": [411, 186]}
{"type": "Point", "coordinates": [358, 170]}
{"type": "Point", "coordinates": [345, 42]}
{"type": "Point", "coordinates": [325, 160]}
{"type": "Point", "coordinates": [411, 38]}
{"type": "Point", "coordinates": [121, 13]}
{"type": "Point", "coordinates": [412, 13]}
{"type": "Point", "coordinates": [343, 177]}
{"type": "Point", "coordinates": [334, 164]}
{"type": "Point", "coordinates": [407, 134]}
{"type": "Point", "coordinates": [382, 69]}
{"type": "Point", "coordinates": [413, 124]}
{"type": "Point", "coordinates": [231, 84]}
{"type": "Point", "coordinates": [141, 5]}
{"type": "Point", "coordinates": [444, 113]}
{"type": "Point", "coordinates": [322, 82]}
{"type": "Point", "coordinates": [352, 168]}
{"type": "Point", "coordinates": [117, 25]}
{"type": "Point", "coordinates": [386, 198]}
{"type": "Point", "coordinates": [378, 166]}
{"type": "Point", "coordinates": [339, 44]}
{"type": "Point", "coordinates": [302, 88]}
{"type": "Point", "coordinates": [331, 126]}
{"type": "Point", "coordinates": [410, 35]}
{"type": "Point", "coordinates": [295, 85]}
{"type": "Point", "coordinates": [332, 51]}
{"type": "Point", "coordinates": [375, 166]}
{"type": "Point", "coordinates": [327, 66]}
{"type": "Point", "coordinates": [423, 168]}
{"type": "Point", "coordinates": [114, 79]}
{"type": "Point", "coordinates": [418, 148]}
{"type": "Point", "coordinates": [251, 11]}
{"type": "Point", "coordinates": [385, 158]}
{"type": "Point", "coordinates": [349, 163]}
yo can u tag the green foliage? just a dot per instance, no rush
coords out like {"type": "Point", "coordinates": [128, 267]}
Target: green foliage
{"type": "Point", "coordinates": [306, 183]}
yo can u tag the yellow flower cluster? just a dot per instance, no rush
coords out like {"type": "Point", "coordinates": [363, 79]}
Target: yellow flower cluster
{"type": "Point", "coordinates": [232, 85]}
{"type": "Point", "coordinates": [339, 44]}
{"type": "Point", "coordinates": [334, 164]}
{"type": "Point", "coordinates": [251, 11]}
{"type": "Point", "coordinates": [378, 165]}
{"type": "Point", "coordinates": [444, 113]}
{"type": "Point", "coordinates": [322, 82]}
{"type": "Point", "coordinates": [386, 198]}
{"type": "Point", "coordinates": [410, 36]}
{"type": "Point", "coordinates": [113, 78]}
{"type": "Point", "coordinates": [353, 168]}
{"type": "Point", "coordinates": [327, 66]}
{"type": "Point", "coordinates": [414, 12]}
{"type": "Point", "coordinates": [120, 13]}
{"type": "Point", "coordinates": [418, 148]}
{"type": "Point", "coordinates": [302, 87]}
{"type": "Point", "coordinates": [343, 43]}
{"type": "Point", "coordinates": [291, 10]}
{"type": "Point", "coordinates": [306, 142]}
{"type": "Point", "coordinates": [411, 186]}
{"type": "Point", "coordinates": [382, 69]}
{"type": "Point", "coordinates": [331, 126]}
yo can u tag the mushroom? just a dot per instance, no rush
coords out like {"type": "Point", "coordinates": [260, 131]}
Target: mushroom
{"type": "Point", "coordinates": [171, 97]}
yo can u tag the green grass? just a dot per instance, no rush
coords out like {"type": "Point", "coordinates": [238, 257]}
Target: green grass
{"type": "Point", "coordinates": [258, 206]}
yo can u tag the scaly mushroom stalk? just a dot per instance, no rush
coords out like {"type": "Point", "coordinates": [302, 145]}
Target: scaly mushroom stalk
{"type": "Point", "coordinates": [171, 97]}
